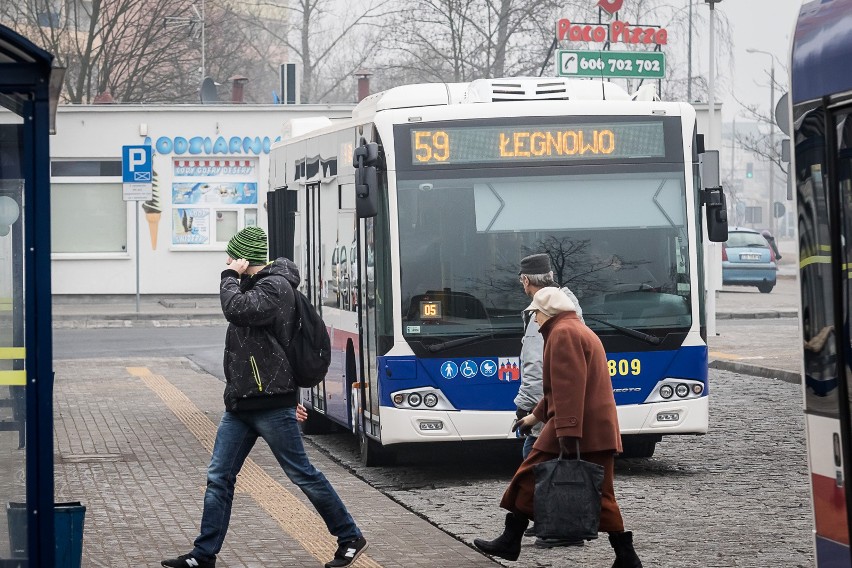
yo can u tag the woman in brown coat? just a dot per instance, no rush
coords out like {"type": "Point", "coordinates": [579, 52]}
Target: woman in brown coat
{"type": "Point", "coordinates": [578, 405]}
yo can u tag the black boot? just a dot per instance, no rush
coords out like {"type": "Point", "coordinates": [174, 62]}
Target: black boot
{"type": "Point", "coordinates": [625, 556]}
{"type": "Point", "coordinates": [508, 544]}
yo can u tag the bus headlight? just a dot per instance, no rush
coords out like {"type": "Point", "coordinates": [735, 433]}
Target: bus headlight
{"type": "Point", "coordinates": [430, 400]}
{"type": "Point", "coordinates": [670, 389]}
{"type": "Point", "coordinates": [414, 399]}
{"type": "Point", "coordinates": [398, 398]}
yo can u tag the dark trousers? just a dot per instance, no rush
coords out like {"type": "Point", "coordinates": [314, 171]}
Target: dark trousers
{"type": "Point", "coordinates": [518, 497]}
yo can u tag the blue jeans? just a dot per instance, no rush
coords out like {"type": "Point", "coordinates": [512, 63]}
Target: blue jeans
{"type": "Point", "coordinates": [234, 440]}
{"type": "Point", "coordinates": [528, 444]}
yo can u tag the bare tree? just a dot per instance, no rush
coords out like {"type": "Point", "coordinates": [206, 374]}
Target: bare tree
{"type": "Point", "coordinates": [331, 41]}
{"type": "Point", "coordinates": [114, 46]}
{"type": "Point", "coordinates": [463, 40]}
{"type": "Point", "coordinates": [760, 144]}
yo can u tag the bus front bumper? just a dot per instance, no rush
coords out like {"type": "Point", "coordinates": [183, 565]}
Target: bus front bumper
{"type": "Point", "coordinates": [403, 426]}
{"type": "Point", "coordinates": [689, 416]}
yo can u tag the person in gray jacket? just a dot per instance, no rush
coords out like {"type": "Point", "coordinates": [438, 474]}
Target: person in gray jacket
{"type": "Point", "coordinates": [535, 274]}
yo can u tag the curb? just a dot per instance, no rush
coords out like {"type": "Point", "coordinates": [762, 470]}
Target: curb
{"type": "Point", "coordinates": [772, 314]}
{"type": "Point", "coordinates": [148, 320]}
{"type": "Point", "coordinates": [757, 371]}
{"type": "Point", "coordinates": [133, 316]}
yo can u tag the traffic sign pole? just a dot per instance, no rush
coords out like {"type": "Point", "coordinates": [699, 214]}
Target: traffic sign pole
{"type": "Point", "coordinates": [137, 176]}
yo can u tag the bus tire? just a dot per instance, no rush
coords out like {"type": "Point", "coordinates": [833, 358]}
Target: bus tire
{"type": "Point", "coordinates": [317, 424]}
{"type": "Point", "coordinates": [638, 446]}
{"type": "Point", "coordinates": [373, 454]}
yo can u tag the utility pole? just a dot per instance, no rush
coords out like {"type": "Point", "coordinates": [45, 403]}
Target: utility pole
{"type": "Point", "coordinates": [713, 256]}
{"type": "Point", "coordinates": [689, 63]}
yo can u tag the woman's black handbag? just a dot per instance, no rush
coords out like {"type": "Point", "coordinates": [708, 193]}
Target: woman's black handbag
{"type": "Point", "coordinates": [567, 501]}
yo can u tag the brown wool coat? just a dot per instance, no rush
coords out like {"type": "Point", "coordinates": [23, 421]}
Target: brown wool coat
{"type": "Point", "coordinates": [578, 400]}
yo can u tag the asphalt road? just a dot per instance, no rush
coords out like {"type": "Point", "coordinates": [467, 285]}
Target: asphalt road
{"type": "Point", "coordinates": [203, 345]}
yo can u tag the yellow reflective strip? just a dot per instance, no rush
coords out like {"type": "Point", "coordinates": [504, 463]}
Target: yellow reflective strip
{"type": "Point", "coordinates": [13, 378]}
{"type": "Point", "coordinates": [13, 352]}
{"type": "Point", "coordinates": [256, 372]}
{"type": "Point", "coordinates": [814, 260]}
{"type": "Point", "coordinates": [825, 248]}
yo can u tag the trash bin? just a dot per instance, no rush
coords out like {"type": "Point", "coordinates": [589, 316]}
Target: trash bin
{"type": "Point", "coordinates": [68, 532]}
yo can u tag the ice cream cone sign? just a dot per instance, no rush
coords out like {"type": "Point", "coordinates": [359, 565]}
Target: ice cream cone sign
{"type": "Point", "coordinates": [153, 212]}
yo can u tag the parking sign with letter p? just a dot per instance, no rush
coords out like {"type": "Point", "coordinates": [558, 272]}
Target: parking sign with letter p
{"type": "Point", "coordinates": [137, 172]}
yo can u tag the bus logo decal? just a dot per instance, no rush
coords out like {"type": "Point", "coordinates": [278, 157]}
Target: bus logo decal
{"type": "Point", "coordinates": [509, 369]}
{"type": "Point", "coordinates": [449, 370]}
{"type": "Point", "coordinates": [488, 368]}
{"type": "Point", "coordinates": [468, 369]}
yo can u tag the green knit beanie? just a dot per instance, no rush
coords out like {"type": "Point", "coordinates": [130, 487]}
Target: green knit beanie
{"type": "Point", "coordinates": [250, 244]}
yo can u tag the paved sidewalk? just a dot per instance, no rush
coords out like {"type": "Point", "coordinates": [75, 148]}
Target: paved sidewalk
{"type": "Point", "coordinates": [133, 440]}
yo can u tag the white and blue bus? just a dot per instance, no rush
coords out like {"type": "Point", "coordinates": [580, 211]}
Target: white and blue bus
{"type": "Point", "coordinates": [411, 250]}
{"type": "Point", "coordinates": [821, 97]}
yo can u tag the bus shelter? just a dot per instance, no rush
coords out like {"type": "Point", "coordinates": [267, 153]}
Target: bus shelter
{"type": "Point", "coordinates": [29, 89]}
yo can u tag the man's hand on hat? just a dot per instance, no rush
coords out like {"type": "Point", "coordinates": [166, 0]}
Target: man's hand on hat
{"type": "Point", "coordinates": [239, 265]}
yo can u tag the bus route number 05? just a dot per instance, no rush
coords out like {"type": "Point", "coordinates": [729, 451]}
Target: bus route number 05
{"type": "Point", "coordinates": [624, 367]}
{"type": "Point", "coordinates": [429, 146]}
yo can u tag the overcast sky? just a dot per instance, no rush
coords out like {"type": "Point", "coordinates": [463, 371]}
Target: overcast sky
{"type": "Point", "coordinates": [757, 24]}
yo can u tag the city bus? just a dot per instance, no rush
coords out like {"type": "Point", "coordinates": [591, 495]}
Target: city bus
{"type": "Point", "coordinates": [821, 98]}
{"type": "Point", "coordinates": [431, 194]}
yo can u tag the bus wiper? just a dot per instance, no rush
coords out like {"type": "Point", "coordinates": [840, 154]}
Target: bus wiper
{"type": "Point", "coordinates": [652, 339]}
{"type": "Point", "coordinates": [435, 347]}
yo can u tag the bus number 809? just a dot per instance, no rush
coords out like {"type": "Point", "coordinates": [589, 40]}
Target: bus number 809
{"type": "Point", "coordinates": [624, 367]}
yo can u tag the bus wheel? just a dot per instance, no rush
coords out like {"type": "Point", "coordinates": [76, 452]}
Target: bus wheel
{"type": "Point", "coordinates": [373, 454]}
{"type": "Point", "coordinates": [317, 424]}
{"type": "Point", "coordinates": [638, 446]}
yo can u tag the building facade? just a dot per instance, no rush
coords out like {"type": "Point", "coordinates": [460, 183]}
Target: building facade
{"type": "Point", "coordinates": [211, 177]}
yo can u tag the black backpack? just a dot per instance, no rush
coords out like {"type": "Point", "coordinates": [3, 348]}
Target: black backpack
{"type": "Point", "coordinates": [309, 351]}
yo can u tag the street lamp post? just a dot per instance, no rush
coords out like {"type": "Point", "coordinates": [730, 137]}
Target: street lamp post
{"type": "Point", "coordinates": [771, 137]}
{"type": "Point", "coordinates": [713, 256]}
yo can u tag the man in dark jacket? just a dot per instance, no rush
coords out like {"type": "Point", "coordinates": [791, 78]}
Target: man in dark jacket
{"type": "Point", "coordinates": [261, 400]}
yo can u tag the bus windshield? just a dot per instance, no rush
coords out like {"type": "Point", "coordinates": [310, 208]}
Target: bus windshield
{"type": "Point", "coordinates": [617, 240]}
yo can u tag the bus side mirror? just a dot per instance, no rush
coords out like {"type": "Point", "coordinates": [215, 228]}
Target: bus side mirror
{"type": "Point", "coordinates": [716, 209]}
{"type": "Point", "coordinates": [364, 161]}
{"type": "Point", "coordinates": [366, 192]}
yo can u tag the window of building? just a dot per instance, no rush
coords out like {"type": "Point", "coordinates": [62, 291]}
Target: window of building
{"type": "Point", "coordinates": [753, 215]}
{"type": "Point", "coordinates": [88, 218]}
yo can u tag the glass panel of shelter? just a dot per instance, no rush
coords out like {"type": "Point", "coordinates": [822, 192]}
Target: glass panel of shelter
{"type": "Point", "coordinates": [13, 535]}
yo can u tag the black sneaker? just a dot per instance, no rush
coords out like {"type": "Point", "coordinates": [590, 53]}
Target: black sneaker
{"type": "Point", "coordinates": [347, 553]}
{"type": "Point", "coordinates": [189, 561]}
{"type": "Point", "coordinates": [556, 542]}
{"type": "Point", "coordinates": [530, 531]}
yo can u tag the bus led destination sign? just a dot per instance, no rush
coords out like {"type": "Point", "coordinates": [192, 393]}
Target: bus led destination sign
{"type": "Point", "coordinates": [492, 144]}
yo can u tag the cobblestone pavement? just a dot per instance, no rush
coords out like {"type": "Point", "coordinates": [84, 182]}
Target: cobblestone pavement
{"type": "Point", "coordinates": [737, 497]}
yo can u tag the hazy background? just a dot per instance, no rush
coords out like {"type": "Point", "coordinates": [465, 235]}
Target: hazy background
{"type": "Point", "coordinates": [757, 24]}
